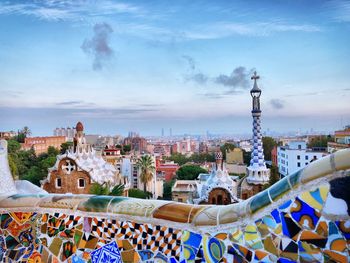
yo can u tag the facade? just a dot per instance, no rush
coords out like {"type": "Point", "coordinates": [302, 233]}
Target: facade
{"type": "Point", "coordinates": [182, 191]}
{"type": "Point", "coordinates": [77, 169]}
{"type": "Point", "coordinates": [167, 170]}
{"type": "Point", "coordinates": [7, 134]}
{"type": "Point", "coordinates": [128, 169]}
{"type": "Point", "coordinates": [295, 156]}
{"type": "Point", "coordinates": [137, 144]}
{"type": "Point", "coordinates": [274, 156]}
{"type": "Point", "coordinates": [41, 144]}
{"type": "Point", "coordinates": [218, 187]}
{"type": "Point", "coordinates": [341, 140]}
{"type": "Point", "coordinates": [68, 132]}
{"type": "Point", "coordinates": [234, 156]}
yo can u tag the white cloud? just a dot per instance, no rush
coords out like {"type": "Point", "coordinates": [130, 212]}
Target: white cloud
{"type": "Point", "coordinates": [339, 10]}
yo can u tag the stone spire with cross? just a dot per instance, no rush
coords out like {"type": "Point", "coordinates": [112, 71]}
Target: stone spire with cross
{"type": "Point", "coordinates": [257, 171]}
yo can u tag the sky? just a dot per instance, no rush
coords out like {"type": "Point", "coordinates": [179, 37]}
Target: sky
{"type": "Point", "coordinates": [122, 66]}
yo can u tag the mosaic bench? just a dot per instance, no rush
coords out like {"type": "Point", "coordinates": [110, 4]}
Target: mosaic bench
{"type": "Point", "coordinates": [302, 218]}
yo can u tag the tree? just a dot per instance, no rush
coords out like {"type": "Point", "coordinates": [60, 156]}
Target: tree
{"type": "Point", "coordinates": [246, 157]}
{"type": "Point", "coordinates": [65, 146]}
{"type": "Point", "coordinates": [52, 151]}
{"type": "Point", "coordinates": [13, 167]}
{"type": "Point", "coordinates": [167, 189]}
{"type": "Point", "coordinates": [126, 148]}
{"type": "Point", "coordinates": [224, 148]}
{"type": "Point", "coordinates": [320, 141]}
{"type": "Point", "coordinates": [178, 158]}
{"type": "Point", "coordinates": [99, 189]}
{"type": "Point", "coordinates": [145, 164]}
{"type": "Point", "coordinates": [268, 144]}
{"type": "Point", "coordinates": [137, 193]}
{"type": "Point", "coordinates": [274, 175]}
{"type": "Point", "coordinates": [117, 190]}
{"type": "Point", "coordinates": [189, 172]}
{"type": "Point", "coordinates": [201, 157]}
{"type": "Point", "coordinates": [26, 131]}
{"type": "Point", "coordinates": [13, 146]}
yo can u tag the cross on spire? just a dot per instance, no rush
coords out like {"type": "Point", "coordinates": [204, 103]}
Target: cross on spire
{"type": "Point", "coordinates": [255, 76]}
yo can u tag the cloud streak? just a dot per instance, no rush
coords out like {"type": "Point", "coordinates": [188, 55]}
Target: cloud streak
{"type": "Point", "coordinates": [277, 104]}
{"type": "Point", "coordinates": [98, 46]}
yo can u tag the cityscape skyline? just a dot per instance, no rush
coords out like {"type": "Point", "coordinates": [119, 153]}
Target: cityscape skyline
{"type": "Point", "coordinates": [121, 66]}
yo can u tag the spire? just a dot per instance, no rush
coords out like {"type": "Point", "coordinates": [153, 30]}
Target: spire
{"type": "Point", "coordinates": [255, 77]}
{"type": "Point", "coordinates": [257, 170]}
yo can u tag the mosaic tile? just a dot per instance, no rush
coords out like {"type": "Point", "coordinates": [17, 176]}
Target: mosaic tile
{"type": "Point", "coordinates": [107, 253]}
{"type": "Point", "coordinates": [55, 246]}
{"type": "Point", "coordinates": [309, 252]}
{"type": "Point", "coordinates": [289, 249]}
{"type": "Point", "coordinates": [259, 201]}
{"type": "Point", "coordinates": [145, 254]}
{"type": "Point", "coordinates": [213, 249]}
{"type": "Point", "coordinates": [313, 238]}
{"type": "Point", "coordinates": [130, 256]}
{"type": "Point", "coordinates": [190, 245]}
{"type": "Point", "coordinates": [304, 214]}
{"type": "Point", "coordinates": [344, 227]}
{"type": "Point", "coordinates": [177, 212]}
{"type": "Point", "coordinates": [284, 207]}
{"type": "Point", "coordinates": [289, 227]}
{"type": "Point", "coordinates": [251, 237]}
{"type": "Point", "coordinates": [334, 256]}
{"type": "Point", "coordinates": [97, 203]}
{"type": "Point", "coordinates": [68, 249]}
{"type": "Point", "coordinates": [322, 228]}
{"type": "Point", "coordinates": [236, 236]}
{"type": "Point", "coordinates": [336, 241]}
{"type": "Point", "coordinates": [272, 244]}
{"type": "Point", "coordinates": [241, 251]}
{"type": "Point", "coordinates": [316, 198]}
{"type": "Point", "coordinates": [279, 188]}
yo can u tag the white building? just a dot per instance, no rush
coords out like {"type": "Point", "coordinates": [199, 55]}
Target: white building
{"type": "Point", "coordinates": [128, 168]}
{"type": "Point", "coordinates": [295, 156]}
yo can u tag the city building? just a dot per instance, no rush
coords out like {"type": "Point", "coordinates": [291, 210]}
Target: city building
{"type": "Point", "coordinates": [217, 187]}
{"type": "Point", "coordinates": [295, 156]}
{"type": "Point", "coordinates": [182, 190]}
{"type": "Point", "coordinates": [68, 132]}
{"type": "Point", "coordinates": [137, 144]}
{"type": "Point", "coordinates": [257, 172]}
{"type": "Point", "coordinates": [341, 140]}
{"type": "Point", "coordinates": [234, 156]}
{"type": "Point", "coordinates": [7, 134]}
{"type": "Point", "coordinates": [41, 144]}
{"type": "Point", "coordinates": [128, 169]}
{"type": "Point", "coordinates": [274, 156]}
{"type": "Point", "coordinates": [167, 169]}
{"type": "Point", "coordinates": [77, 169]}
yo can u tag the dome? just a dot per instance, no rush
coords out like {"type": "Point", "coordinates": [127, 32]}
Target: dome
{"type": "Point", "coordinates": [79, 126]}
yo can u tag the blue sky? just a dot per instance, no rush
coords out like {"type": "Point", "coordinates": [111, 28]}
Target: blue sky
{"type": "Point", "coordinates": [146, 65]}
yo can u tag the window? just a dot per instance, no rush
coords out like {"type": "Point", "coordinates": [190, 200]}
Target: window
{"type": "Point", "coordinates": [298, 157]}
{"type": "Point", "coordinates": [306, 157]}
{"type": "Point", "coordinates": [306, 163]}
{"type": "Point", "coordinates": [81, 183]}
{"type": "Point", "coordinates": [299, 147]}
{"type": "Point", "coordinates": [58, 182]}
{"type": "Point", "coordinates": [298, 164]}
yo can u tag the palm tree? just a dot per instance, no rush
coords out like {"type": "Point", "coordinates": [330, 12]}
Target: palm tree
{"type": "Point", "coordinates": [26, 131]}
{"type": "Point", "coordinates": [145, 164]}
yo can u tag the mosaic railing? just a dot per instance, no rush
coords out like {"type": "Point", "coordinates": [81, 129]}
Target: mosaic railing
{"type": "Point", "coordinates": [302, 218]}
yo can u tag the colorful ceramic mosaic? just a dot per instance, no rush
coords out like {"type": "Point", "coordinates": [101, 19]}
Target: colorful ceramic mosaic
{"type": "Point", "coordinates": [282, 224]}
